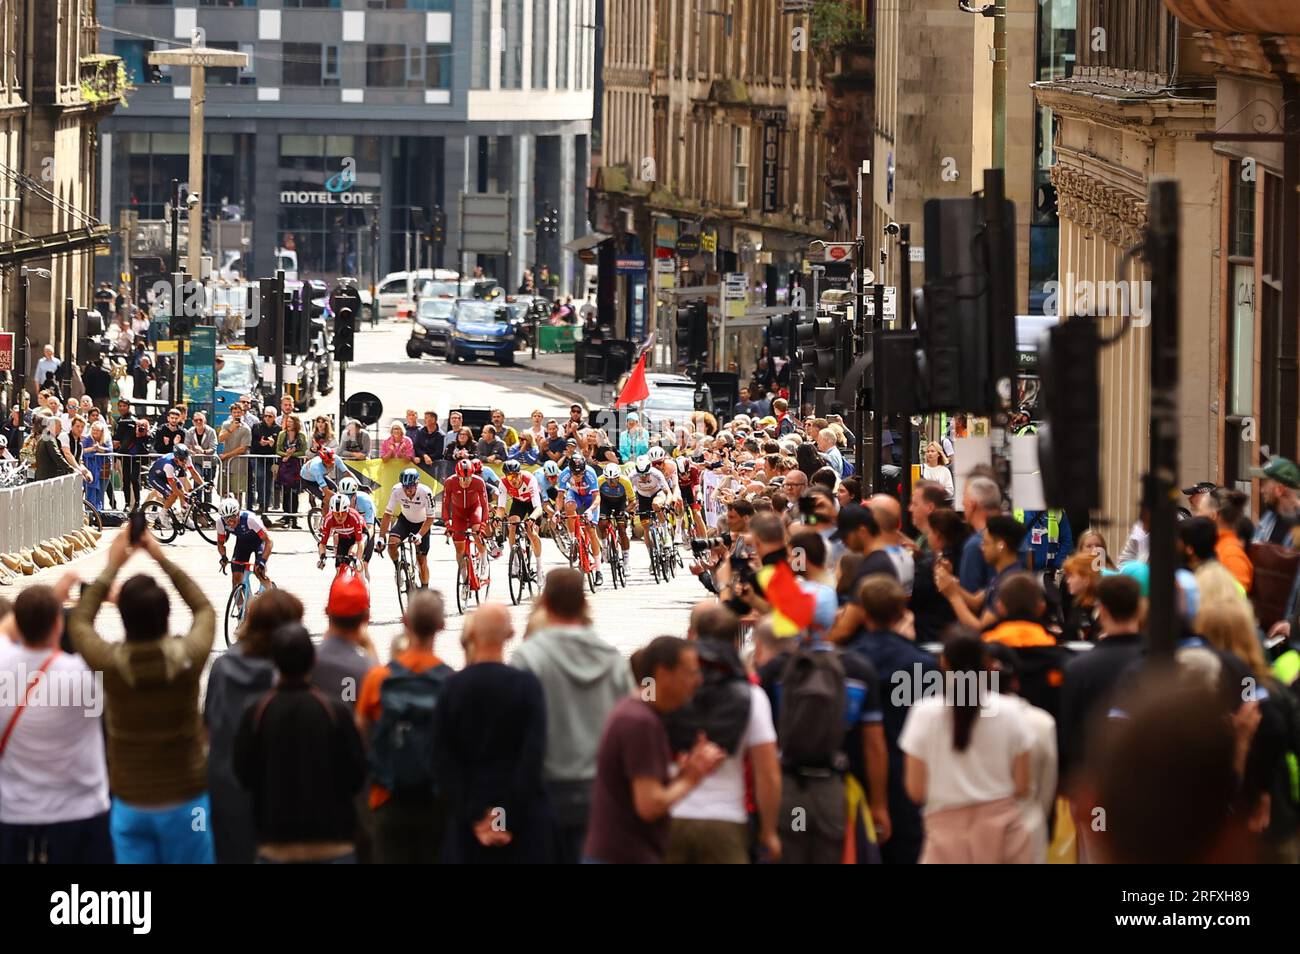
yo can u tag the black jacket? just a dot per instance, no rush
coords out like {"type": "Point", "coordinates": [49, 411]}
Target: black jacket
{"type": "Point", "coordinates": [428, 444]}
{"type": "Point", "coordinates": [1090, 681]}
{"type": "Point", "coordinates": [720, 706]}
{"type": "Point", "coordinates": [299, 754]}
{"type": "Point", "coordinates": [50, 462]}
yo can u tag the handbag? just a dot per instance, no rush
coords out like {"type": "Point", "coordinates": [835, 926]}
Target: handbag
{"type": "Point", "coordinates": [289, 472]}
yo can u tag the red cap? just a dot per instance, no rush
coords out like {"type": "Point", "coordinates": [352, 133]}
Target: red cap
{"type": "Point", "coordinates": [349, 595]}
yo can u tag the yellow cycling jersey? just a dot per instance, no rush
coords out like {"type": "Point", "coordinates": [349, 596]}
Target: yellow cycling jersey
{"type": "Point", "coordinates": [620, 489]}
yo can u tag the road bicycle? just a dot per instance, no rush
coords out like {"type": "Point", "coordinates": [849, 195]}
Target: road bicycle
{"type": "Point", "coordinates": [195, 514]}
{"type": "Point", "coordinates": [560, 534]}
{"type": "Point", "coordinates": [661, 550]}
{"type": "Point", "coordinates": [679, 534]}
{"type": "Point", "coordinates": [240, 597]}
{"type": "Point", "coordinates": [405, 569]}
{"type": "Point", "coordinates": [609, 528]}
{"type": "Point", "coordinates": [587, 565]}
{"type": "Point", "coordinates": [93, 518]}
{"type": "Point", "coordinates": [473, 572]}
{"type": "Point", "coordinates": [521, 572]}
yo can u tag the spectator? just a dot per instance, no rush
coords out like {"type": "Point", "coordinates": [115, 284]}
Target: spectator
{"type": "Point", "coordinates": [397, 446]}
{"type": "Point", "coordinates": [490, 447]}
{"type": "Point", "coordinates": [1081, 576]}
{"type": "Point", "coordinates": [396, 713]}
{"type": "Point", "coordinates": [827, 447]}
{"type": "Point", "coordinates": [236, 437]}
{"type": "Point", "coordinates": [47, 365]}
{"type": "Point", "coordinates": [95, 448]}
{"type": "Point", "coordinates": [98, 382]}
{"type": "Point", "coordinates": [634, 788]}
{"type": "Point", "coordinates": [889, 518]}
{"type": "Point", "coordinates": [322, 434]}
{"type": "Point", "coordinates": [967, 763]}
{"type": "Point", "coordinates": [1000, 552]}
{"type": "Point", "coordinates": [428, 443]}
{"type": "Point", "coordinates": [298, 753]}
{"type": "Point", "coordinates": [1019, 606]}
{"type": "Point", "coordinates": [141, 376]}
{"type": "Point", "coordinates": [1280, 480]}
{"type": "Point", "coordinates": [504, 431]}
{"type": "Point", "coordinates": [202, 442]}
{"type": "Point", "coordinates": [1137, 545]}
{"type": "Point", "coordinates": [537, 429]}
{"type": "Point", "coordinates": [54, 798]}
{"type": "Point", "coordinates": [1228, 508]}
{"type": "Point", "coordinates": [50, 461]}
{"type": "Point", "coordinates": [936, 468]}
{"type": "Point", "coordinates": [264, 435]}
{"type": "Point", "coordinates": [582, 678]}
{"type": "Point", "coordinates": [464, 441]}
{"type": "Point", "coordinates": [490, 738]}
{"type": "Point", "coordinates": [169, 433]}
{"type": "Point", "coordinates": [291, 448]}
{"type": "Point", "coordinates": [157, 766]}
{"type": "Point", "coordinates": [455, 421]}
{"type": "Point", "coordinates": [354, 443]}
{"type": "Point", "coordinates": [981, 499]}
{"type": "Point", "coordinates": [346, 654]}
{"type": "Point", "coordinates": [412, 423]}
{"type": "Point", "coordinates": [525, 452]}
{"type": "Point", "coordinates": [237, 679]}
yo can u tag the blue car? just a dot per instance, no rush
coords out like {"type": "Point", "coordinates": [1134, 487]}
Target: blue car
{"type": "Point", "coordinates": [480, 329]}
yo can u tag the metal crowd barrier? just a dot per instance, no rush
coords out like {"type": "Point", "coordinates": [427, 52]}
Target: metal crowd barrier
{"type": "Point", "coordinates": [37, 511]}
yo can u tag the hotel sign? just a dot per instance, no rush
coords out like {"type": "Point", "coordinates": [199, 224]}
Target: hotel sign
{"type": "Point", "coordinates": [774, 122]}
{"type": "Point", "coordinates": [324, 197]}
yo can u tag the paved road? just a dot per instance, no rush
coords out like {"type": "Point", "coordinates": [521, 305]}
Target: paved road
{"type": "Point", "coordinates": [627, 617]}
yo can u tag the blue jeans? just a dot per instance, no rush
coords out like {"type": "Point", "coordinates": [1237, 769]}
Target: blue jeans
{"type": "Point", "coordinates": [178, 835]}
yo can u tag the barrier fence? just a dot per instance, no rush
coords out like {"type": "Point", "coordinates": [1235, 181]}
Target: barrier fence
{"type": "Point", "coordinates": [35, 512]}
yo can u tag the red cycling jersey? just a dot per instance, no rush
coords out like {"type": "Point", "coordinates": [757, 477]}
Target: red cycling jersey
{"type": "Point", "coordinates": [464, 505]}
{"type": "Point", "coordinates": [350, 525]}
{"type": "Point", "coordinates": [523, 488]}
{"type": "Point", "coordinates": [689, 477]}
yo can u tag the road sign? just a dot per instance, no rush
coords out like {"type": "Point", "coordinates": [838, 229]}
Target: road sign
{"type": "Point", "coordinates": [6, 350]}
{"type": "Point", "coordinates": [365, 407]}
{"type": "Point", "coordinates": [665, 273]}
{"type": "Point", "coordinates": [735, 292]}
{"type": "Point", "coordinates": [485, 222]}
{"type": "Point", "coordinates": [823, 252]}
{"type": "Point", "coordinates": [891, 302]}
{"type": "Point", "coordinates": [916, 253]}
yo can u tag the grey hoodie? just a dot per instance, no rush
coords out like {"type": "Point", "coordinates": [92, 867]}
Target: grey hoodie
{"type": "Point", "coordinates": [582, 677]}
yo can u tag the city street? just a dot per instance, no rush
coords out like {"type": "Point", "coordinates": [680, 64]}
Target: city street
{"type": "Point", "coordinates": [627, 617]}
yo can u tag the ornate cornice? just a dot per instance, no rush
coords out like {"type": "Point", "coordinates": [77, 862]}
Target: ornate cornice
{"type": "Point", "coordinates": [1115, 214]}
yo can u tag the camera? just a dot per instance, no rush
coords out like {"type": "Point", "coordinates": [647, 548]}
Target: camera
{"type": "Point", "coordinates": [892, 228]}
{"type": "Point", "coordinates": [742, 570]}
{"type": "Point", "coordinates": [700, 546]}
{"type": "Point", "coordinates": [726, 538]}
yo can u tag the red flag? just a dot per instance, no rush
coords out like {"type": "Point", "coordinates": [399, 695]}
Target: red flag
{"type": "Point", "coordinates": [636, 389]}
{"type": "Point", "coordinates": [788, 598]}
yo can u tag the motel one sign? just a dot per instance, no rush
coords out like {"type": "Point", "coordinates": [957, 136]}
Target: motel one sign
{"type": "Point", "coordinates": [350, 197]}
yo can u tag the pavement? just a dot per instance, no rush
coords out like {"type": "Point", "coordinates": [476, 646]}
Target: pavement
{"type": "Point", "coordinates": [628, 617]}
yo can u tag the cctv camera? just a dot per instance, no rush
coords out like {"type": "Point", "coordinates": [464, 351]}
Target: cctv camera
{"type": "Point", "coordinates": [192, 200]}
{"type": "Point", "coordinates": [892, 228]}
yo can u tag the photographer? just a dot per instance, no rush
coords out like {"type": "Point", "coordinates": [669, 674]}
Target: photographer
{"type": "Point", "coordinates": [712, 555]}
{"type": "Point", "coordinates": [741, 589]}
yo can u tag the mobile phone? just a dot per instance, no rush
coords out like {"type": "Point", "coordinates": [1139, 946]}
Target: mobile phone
{"type": "Point", "coordinates": [135, 529]}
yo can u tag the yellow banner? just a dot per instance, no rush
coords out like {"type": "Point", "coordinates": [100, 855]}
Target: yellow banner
{"type": "Point", "coordinates": [385, 474]}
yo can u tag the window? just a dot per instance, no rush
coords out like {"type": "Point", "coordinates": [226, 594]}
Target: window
{"type": "Point", "coordinates": [437, 66]}
{"type": "Point", "coordinates": [740, 163]}
{"type": "Point", "coordinates": [226, 3]}
{"type": "Point", "coordinates": [386, 64]}
{"type": "Point", "coordinates": [329, 70]}
{"type": "Point", "coordinates": [512, 52]}
{"type": "Point", "coordinates": [563, 30]}
{"type": "Point", "coordinates": [541, 43]}
{"type": "Point", "coordinates": [135, 59]}
{"type": "Point", "coordinates": [480, 60]}
{"type": "Point", "coordinates": [310, 64]}
{"type": "Point", "coordinates": [318, 4]}
{"type": "Point", "coordinates": [233, 75]}
{"type": "Point", "coordinates": [439, 6]}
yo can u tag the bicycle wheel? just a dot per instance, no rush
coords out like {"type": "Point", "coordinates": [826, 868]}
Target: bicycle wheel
{"type": "Point", "coordinates": [161, 522]}
{"type": "Point", "coordinates": [462, 586]}
{"type": "Point", "coordinates": [235, 613]}
{"type": "Point", "coordinates": [563, 540]}
{"type": "Point", "coordinates": [516, 573]}
{"type": "Point", "coordinates": [93, 519]}
{"type": "Point", "coordinates": [205, 517]}
{"type": "Point", "coordinates": [482, 570]}
{"type": "Point", "coordinates": [313, 522]}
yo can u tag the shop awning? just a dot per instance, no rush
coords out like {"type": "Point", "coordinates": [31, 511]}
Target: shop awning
{"type": "Point", "coordinates": [590, 240]}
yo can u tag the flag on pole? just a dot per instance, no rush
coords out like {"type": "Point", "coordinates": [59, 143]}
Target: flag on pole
{"type": "Point", "coordinates": [635, 389]}
{"type": "Point", "coordinates": [792, 605]}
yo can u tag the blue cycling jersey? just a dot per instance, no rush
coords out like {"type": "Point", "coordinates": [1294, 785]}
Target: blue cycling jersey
{"type": "Point", "coordinates": [158, 470]}
{"type": "Point", "coordinates": [583, 487]}
{"type": "Point", "coordinates": [314, 471]}
{"type": "Point", "coordinates": [248, 526]}
{"type": "Point", "coordinates": [365, 505]}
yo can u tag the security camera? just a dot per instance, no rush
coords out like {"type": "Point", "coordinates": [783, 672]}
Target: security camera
{"type": "Point", "coordinates": [191, 200]}
{"type": "Point", "coordinates": [892, 228]}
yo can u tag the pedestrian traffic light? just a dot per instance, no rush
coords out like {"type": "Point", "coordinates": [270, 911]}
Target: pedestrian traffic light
{"type": "Point", "coordinates": [1069, 440]}
{"type": "Point", "coordinates": [344, 329]}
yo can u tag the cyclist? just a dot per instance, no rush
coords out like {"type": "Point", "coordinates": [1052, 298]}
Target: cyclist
{"type": "Point", "coordinates": [525, 497]}
{"type": "Point", "coordinates": [167, 475]}
{"type": "Point", "coordinates": [688, 478]}
{"type": "Point", "coordinates": [414, 503]}
{"type": "Point", "coordinates": [495, 492]}
{"type": "Point", "coordinates": [615, 492]}
{"type": "Point", "coordinates": [464, 506]}
{"type": "Point", "coordinates": [578, 484]}
{"type": "Point", "coordinates": [321, 474]}
{"type": "Point", "coordinates": [251, 540]}
{"type": "Point", "coordinates": [342, 525]}
{"type": "Point", "coordinates": [660, 460]}
{"type": "Point", "coordinates": [651, 489]}
{"type": "Point", "coordinates": [364, 504]}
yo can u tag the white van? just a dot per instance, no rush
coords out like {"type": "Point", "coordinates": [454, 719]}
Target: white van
{"type": "Point", "coordinates": [397, 289]}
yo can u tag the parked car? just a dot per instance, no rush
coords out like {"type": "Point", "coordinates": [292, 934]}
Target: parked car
{"type": "Point", "coordinates": [397, 289]}
{"type": "Point", "coordinates": [431, 328]}
{"type": "Point", "coordinates": [671, 398]}
{"type": "Point", "coordinates": [240, 374]}
{"type": "Point", "coordinates": [481, 329]}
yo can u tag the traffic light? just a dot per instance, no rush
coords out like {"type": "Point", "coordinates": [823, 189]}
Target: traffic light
{"type": "Point", "coordinates": [438, 226]}
{"type": "Point", "coordinates": [297, 324]}
{"type": "Point", "coordinates": [181, 324]}
{"type": "Point", "coordinates": [682, 333]}
{"type": "Point", "coordinates": [699, 345]}
{"type": "Point", "coordinates": [344, 329]}
{"type": "Point", "coordinates": [826, 333]}
{"type": "Point", "coordinates": [781, 334]}
{"type": "Point", "coordinates": [262, 335]}
{"type": "Point", "coordinates": [1069, 440]}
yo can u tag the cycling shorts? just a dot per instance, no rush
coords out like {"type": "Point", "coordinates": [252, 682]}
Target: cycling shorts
{"type": "Point", "coordinates": [247, 546]}
{"type": "Point", "coordinates": [403, 528]}
{"type": "Point", "coordinates": [523, 509]}
{"type": "Point", "coordinates": [645, 505]}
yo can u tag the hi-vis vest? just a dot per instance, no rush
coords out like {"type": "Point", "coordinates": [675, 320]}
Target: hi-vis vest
{"type": "Point", "coordinates": [1053, 524]}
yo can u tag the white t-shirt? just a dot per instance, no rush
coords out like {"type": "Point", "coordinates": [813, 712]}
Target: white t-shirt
{"type": "Point", "coordinates": [1036, 806]}
{"type": "Point", "coordinates": [53, 769]}
{"type": "Point", "coordinates": [980, 774]}
{"type": "Point", "coordinates": [721, 795]}
{"type": "Point", "coordinates": [938, 473]}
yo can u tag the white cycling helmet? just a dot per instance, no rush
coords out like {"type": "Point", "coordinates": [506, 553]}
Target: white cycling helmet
{"type": "Point", "coordinates": [656, 454]}
{"type": "Point", "coordinates": [551, 469]}
{"type": "Point", "coordinates": [683, 464]}
{"type": "Point", "coordinates": [349, 486]}
{"type": "Point", "coordinates": [229, 507]}
{"type": "Point", "coordinates": [339, 504]}
{"type": "Point", "coordinates": [643, 464]}
{"type": "Point", "coordinates": [613, 472]}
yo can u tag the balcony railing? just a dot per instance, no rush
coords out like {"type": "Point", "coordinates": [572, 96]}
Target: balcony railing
{"type": "Point", "coordinates": [103, 80]}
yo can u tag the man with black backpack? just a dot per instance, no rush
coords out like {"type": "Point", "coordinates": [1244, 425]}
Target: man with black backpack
{"type": "Point", "coordinates": [395, 713]}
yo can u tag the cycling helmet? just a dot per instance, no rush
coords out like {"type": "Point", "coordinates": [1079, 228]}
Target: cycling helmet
{"type": "Point", "coordinates": [229, 507]}
{"type": "Point", "coordinates": [181, 451]}
{"type": "Point", "coordinates": [349, 486]}
{"type": "Point", "coordinates": [577, 463]}
{"type": "Point", "coordinates": [409, 477]}
{"type": "Point", "coordinates": [339, 504]}
{"type": "Point", "coordinates": [613, 472]}
{"type": "Point", "coordinates": [551, 469]}
{"type": "Point", "coordinates": [327, 456]}
{"type": "Point", "coordinates": [510, 467]}
{"type": "Point", "coordinates": [698, 457]}
{"type": "Point", "coordinates": [656, 455]}
{"type": "Point", "coordinates": [643, 464]}
{"type": "Point", "coordinates": [683, 464]}
{"type": "Point", "coordinates": [476, 464]}
{"type": "Point", "coordinates": [464, 468]}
